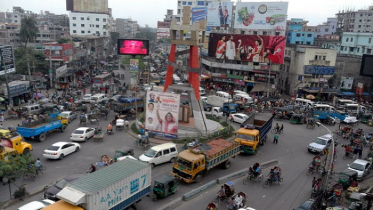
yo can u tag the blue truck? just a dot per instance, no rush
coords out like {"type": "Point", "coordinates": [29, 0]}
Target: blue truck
{"type": "Point", "coordinates": [323, 115]}
{"type": "Point", "coordinates": [39, 128]}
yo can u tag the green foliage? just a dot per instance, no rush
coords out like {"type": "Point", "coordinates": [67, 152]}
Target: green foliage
{"type": "Point", "coordinates": [16, 166]}
{"type": "Point", "coordinates": [331, 80]}
{"type": "Point", "coordinates": [146, 33]}
{"type": "Point", "coordinates": [35, 58]}
{"type": "Point", "coordinates": [126, 60]}
{"type": "Point", "coordinates": [63, 40]}
{"type": "Point", "coordinates": [134, 128]}
{"type": "Point", "coordinates": [28, 30]}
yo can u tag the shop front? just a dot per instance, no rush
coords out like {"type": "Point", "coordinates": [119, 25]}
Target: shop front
{"type": "Point", "coordinates": [227, 81]}
{"type": "Point", "coordinates": [19, 93]}
{"type": "Point", "coordinates": [64, 78]}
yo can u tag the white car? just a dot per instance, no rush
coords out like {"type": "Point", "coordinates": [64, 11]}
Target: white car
{"type": "Point", "coordinates": [240, 118]}
{"type": "Point", "coordinates": [36, 205]}
{"type": "Point", "coordinates": [362, 168]}
{"type": "Point", "coordinates": [61, 149]}
{"type": "Point", "coordinates": [82, 134]}
{"type": "Point", "coordinates": [70, 115]}
{"type": "Point", "coordinates": [146, 87]}
{"type": "Point", "coordinates": [320, 144]}
{"type": "Point", "coordinates": [87, 98]}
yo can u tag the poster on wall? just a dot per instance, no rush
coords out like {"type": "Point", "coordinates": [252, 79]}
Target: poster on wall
{"type": "Point", "coordinates": [134, 65]}
{"type": "Point", "coordinates": [346, 83]}
{"type": "Point", "coordinates": [261, 15]}
{"type": "Point", "coordinates": [219, 14]}
{"type": "Point", "coordinates": [162, 114]}
{"type": "Point", "coordinates": [252, 48]}
{"type": "Point", "coordinates": [359, 88]}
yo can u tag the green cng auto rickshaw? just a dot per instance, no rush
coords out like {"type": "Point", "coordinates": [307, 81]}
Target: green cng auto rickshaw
{"type": "Point", "coordinates": [347, 177]}
{"type": "Point", "coordinates": [297, 119]}
{"type": "Point", "coordinates": [365, 118]}
{"type": "Point", "coordinates": [164, 187]}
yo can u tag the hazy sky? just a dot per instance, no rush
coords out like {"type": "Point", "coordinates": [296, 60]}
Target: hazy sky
{"type": "Point", "coordinates": [151, 11]}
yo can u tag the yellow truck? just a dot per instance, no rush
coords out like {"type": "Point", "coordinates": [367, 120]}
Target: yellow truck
{"type": "Point", "coordinates": [14, 140]}
{"type": "Point", "coordinates": [252, 134]}
{"type": "Point", "coordinates": [5, 152]}
{"type": "Point", "coordinates": [192, 164]}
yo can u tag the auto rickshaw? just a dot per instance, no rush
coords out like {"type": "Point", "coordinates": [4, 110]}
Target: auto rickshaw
{"type": "Point", "coordinates": [124, 151]}
{"type": "Point", "coordinates": [311, 122]}
{"type": "Point", "coordinates": [164, 186]}
{"type": "Point", "coordinates": [297, 119]}
{"type": "Point", "coordinates": [365, 118]}
{"type": "Point", "coordinates": [347, 177]}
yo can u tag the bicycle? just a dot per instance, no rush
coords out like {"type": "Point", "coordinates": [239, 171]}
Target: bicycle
{"type": "Point", "coordinates": [41, 169]}
{"type": "Point", "coordinates": [28, 175]}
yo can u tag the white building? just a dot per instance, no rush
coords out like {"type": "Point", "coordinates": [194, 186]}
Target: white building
{"type": "Point", "coordinates": [89, 24]}
{"type": "Point", "coordinates": [328, 28]}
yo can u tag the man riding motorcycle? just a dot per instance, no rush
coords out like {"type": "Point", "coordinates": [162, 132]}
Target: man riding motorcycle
{"type": "Point", "coordinates": [109, 128]}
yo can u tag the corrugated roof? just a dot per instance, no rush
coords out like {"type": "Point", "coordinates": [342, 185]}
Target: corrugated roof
{"type": "Point", "coordinates": [107, 176]}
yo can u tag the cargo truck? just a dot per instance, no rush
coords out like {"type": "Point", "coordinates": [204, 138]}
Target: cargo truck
{"type": "Point", "coordinates": [117, 186]}
{"type": "Point", "coordinates": [227, 106]}
{"type": "Point", "coordinates": [192, 164]}
{"type": "Point", "coordinates": [125, 105]}
{"type": "Point", "coordinates": [14, 140]}
{"type": "Point", "coordinates": [253, 132]}
{"type": "Point", "coordinates": [39, 129]}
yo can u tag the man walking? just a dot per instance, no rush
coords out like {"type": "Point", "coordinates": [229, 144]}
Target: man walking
{"type": "Point", "coordinates": [275, 138]}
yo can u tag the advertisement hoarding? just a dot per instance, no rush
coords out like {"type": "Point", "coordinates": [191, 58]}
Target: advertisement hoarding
{"type": "Point", "coordinates": [162, 114]}
{"type": "Point", "coordinates": [252, 48]}
{"type": "Point", "coordinates": [219, 14]}
{"type": "Point", "coordinates": [359, 88]}
{"type": "Point", "coordinates": [134, 65]}
{"type": "Point", "coordinates": [163, 33]}
{"type": "Point", "coordinates": [133, 47]}
{"type": "Point", "coordinates": [200, 13]}
{"type": "Point", "coordinates": [311, 69]}
{"type": "Point", "coordinates": [366, 65]}
{"type": "Point", "coordinates": [261, 15]}
{"type": "Point", "coordinates": [6, 60]}
{"type": "Point", "coordinates": [346, 83]}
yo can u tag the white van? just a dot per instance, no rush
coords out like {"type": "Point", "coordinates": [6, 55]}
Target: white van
{"type": "Point", "coordinates": [324, 107]}
{"type": "Point", "coordinates": [97, 98]}
{"type": "Point", "coordinates": [304, 102]}
{"type": "Point", "coordinates": [202, 91]}
{"type": "Point", "coordinates": [239, 92]}
{"type": "Point", "coordinates": [223, 94]}
{"type": "Point", "coordinates": [355, 108]}
{"type": "Point", "coordinates": [160, 154]}
{"type": "Point", "coordinates": [341, 103]}
{"type": "Point", "coordinates": [244, 98]}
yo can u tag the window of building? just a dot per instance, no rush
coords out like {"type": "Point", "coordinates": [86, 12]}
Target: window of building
{"type": "Point", "coordinates": [74, 18]}
{"type": "Point", "coordinates": [327, 30]}
{"type": "Point", "coordinates": [255, 32]}
{"type": "Point", "coordinates": [297, 42]}
{"type": "Point", "coordinates": [309, 35]}
{"type": "Point", "coordinates": [97, 19]}
{"type": "Point", "coordinates": [352, 49]}
{"type": "Point", "coordinates": [309, 29]}
{"type": "Point", "coordinates": [277, 33]}
{"type": "Point", "coordinates": [190, 3]}
{"type": "Point", "coordinates": [81, 18]}
{"type": "Point", "coordinates": [361, 15]}
{"type": "Point", "coordinates": [324, 58]}
{"type": "Point", "coordinates": [359, 26]}
{"type": "Point", "coordinates": [74, 24]}
{"type": "Point", "coordinates": [341, 48]}
{"type": "Point", "coordinates": [97, 32]}
{"type": "Point", "coordinates": [82, 25]}
{"type": "Point", "coordinates": [97, 26]}
{"type": "Point", "coordinates": [298, 35]}
{"type": "Point", "coordinates": [87, 18]}
{"type": "Point", "coordinates": [104, 26]}
{"type": "Point", "coordinates": [264, 32]}
{"type": "Point", "coordinates": [346, 39]}
{"type": "Point", "coordinates": [302, 34]}
{"type": "Point", "coordinates": [369, 51]}
{"type": "Point", "coordinates": [104, 33]}
{"type": "Point", "coordinates": [358, 49]}
{"type": "Point", "coordinates": [103, 19]}
{"type": "Point", "coordinates": [74, 31]}
{"type": "Point", "coordinates": [82, 32]}
{"type": "Point", "coordinates": [201, 3]}
{"type": "Point", "coordinates": [352, 39]}
{"type": "Point", "coordinates": [316, 57]}
{"type": "Point", "coordinates": [184, 3]}
{"type": "Point", "coordinates": [178, 11]}
{"type": "Point", "coordinates": [360, 20]}
{"type": "Point", "coordinates": [369, 40]}
{"type": "Point", "coordinates": [308, 43]}
{"type": "Point", "coordinates": [242, 32]}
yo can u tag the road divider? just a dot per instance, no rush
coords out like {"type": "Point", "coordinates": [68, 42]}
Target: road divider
{"type": "Point", "coordinates": [197, 191]}
{"type": "Point", "coordinates": [173, 204]}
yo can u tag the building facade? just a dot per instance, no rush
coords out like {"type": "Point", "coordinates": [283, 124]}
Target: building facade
{"type": "Point", "coordinates": [355, 21]}
{"type": "Point", "coordinates": [89, 24]}
{"type": "Point", "coordinates": [327, 28]}
{"type": "Point", "coordinates": [356, 44]}
{"type": "Point", "coordinates": [127, 28]}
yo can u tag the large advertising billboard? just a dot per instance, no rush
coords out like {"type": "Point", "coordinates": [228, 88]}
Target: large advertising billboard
{"type": "Point", "coordinates": [162, 114]}
{"type": "Point", "coordinates": [366, 66]}
{"type": "Point", "coordinates": [163, 33]}
{"type": "Point", "coordinates": [134, 65]}
{"type": "Point", "coordinates": [219, 14]}
{"type": "Point", "coordinates": [346, 83]}
{"type": "Point", "coordinates": [261, 15]}
{"type": "Point", "coordinates": [6, 60]}
{"type": "Point", "coordinates": [133, 47]}
{"type": "Point", "coordinates": [252, 48]}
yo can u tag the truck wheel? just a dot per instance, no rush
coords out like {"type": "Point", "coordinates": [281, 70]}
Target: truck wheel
{"type": "Point", "coordinates": [227, 164]}
{"type": "Point", "coordinates": [131, 208]}
{"type": "Point", "coordinates": [63, 128]}
{"type": "Point", "coordinates": [42, 137]}
{"type": "Point", "coordinates": [26, 151]}
{"type": "Point", "coordinates": [198, 178]}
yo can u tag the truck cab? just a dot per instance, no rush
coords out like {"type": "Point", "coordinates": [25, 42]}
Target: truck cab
{"type": "Point", "coordinates": [248, 139]}
{"type": "Point", "coordinates": [14, 140]}
{"type": "Point", "coordinates": [189, 164]}
{"type": "Point", "coordinates": [6, 152]}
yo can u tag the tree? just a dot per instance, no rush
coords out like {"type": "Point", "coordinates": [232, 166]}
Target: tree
{"type": "Point", "coordinates": [36, 58]}
{"type": "Point", "coordinates": [331, 80]}
{"type": "Point", "coordinates": [28, 30]}
{"type": "Point", "coordinates": [63, 40]}
{"type": "Point", "coordinates": [16, 166]}
{"type": "Point", "coordinates": [114, 36]}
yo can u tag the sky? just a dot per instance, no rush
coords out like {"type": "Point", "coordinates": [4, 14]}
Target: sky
{"type": "Point", "coordinates": [150, 11]}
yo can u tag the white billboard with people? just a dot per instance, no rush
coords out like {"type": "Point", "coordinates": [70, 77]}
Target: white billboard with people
{"type": "Point", "coordinates": [162, 111]}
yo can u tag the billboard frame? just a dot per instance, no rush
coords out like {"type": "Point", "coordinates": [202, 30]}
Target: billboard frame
{"type": "Point", "coordinates": [145, 42]}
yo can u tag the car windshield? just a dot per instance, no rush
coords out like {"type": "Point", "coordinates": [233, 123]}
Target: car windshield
{"type": "Point", "coordinates": [150, 153]}
{"type": "Point", "coordinates": [53, 148]}
{"type": "Point", "coordinates": [320, 141]}
{"type": "Point", "coordinates": [245, 137]}
{"type": "Point", "coordinates": [357, 166]}
{"type": "Point", "coordinates": [184, 164]}
{"type": "Point", "coordinates": [60, 184]}
{"type": "Point", "coordinates": [78, 132]}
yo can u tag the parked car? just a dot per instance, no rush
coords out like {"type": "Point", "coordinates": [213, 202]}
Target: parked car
{"type": "Point", "coordinates": [87, 98]}
{"type": "Point", "coordinates": [320, 144]}
{"type": "Point", "coordinates": [70, 115]}
{"type": "Point", "coordinates": [36, 205]}
{"type": "Point", "coordinates": [307, 205]}
{"type": "Point", "coordinates": [362, 167]}
{"type": "Point", "coordinates": [59, 150]}
{"type": "Point", "coordinates": [82, 134]}
{"type": "Point", "coordinates": [51, 191]}
{"type": "Point", "coordinates": [239, 118]}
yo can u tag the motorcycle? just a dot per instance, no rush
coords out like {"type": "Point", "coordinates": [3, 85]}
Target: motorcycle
{"type": "Point", "coordinates": [111, 131]}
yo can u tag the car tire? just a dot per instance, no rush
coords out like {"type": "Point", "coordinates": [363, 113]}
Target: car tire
{"type": "Point", "coordinates": [77, 149]}
{"type": "Point", "coordinates": [61, 157]}
{"type": "Point", "coordinates": [152, 165]}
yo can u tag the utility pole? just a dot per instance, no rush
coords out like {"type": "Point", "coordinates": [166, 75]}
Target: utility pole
{"type": "Point", "coordinates": [269, 79]}
{"type": "Point", "coordinates": [50, 66]}
{"type": "Point", "coordinates": [6, 79]}
{"type": "Point", "coordinates": [29, 71]}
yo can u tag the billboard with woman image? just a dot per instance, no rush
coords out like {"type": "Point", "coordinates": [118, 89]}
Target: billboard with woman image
{"type": "Point", "coordinates": [162, 114]}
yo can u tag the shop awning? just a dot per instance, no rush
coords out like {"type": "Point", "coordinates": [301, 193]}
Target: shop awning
{"type": "Point", "coordinates": [348, 93]}
{"type": "Point", "coordinates": [263, 72]}
{"type": "Point", "coordinates": [259, 87]}
{"type": "Point", "coordinates": [366, 94]}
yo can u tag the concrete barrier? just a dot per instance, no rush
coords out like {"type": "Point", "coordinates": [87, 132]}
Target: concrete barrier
{"type": "Point", "coordinates": [193, 193]}
{"type": "Point", "coordinates": [269, 163]}
{"type": "Point", "coordinates": [173, 204]}
{"type": "Point", "coordinates": [235, 175]}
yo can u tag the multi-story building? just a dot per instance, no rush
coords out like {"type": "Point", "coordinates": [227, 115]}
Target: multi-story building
{"type": "Point", "coordinates": [328, 41]}
{"type": "Point", "coordinates": [355, 21]}
{"type": "Point", "coordinates": [356, 44]}
{"type": "Point", "coordinates": [89, 24]}
{"type": "Point", "coordinates": [327, 28]}
{"type": "Point", "coordinates": [307, 68]}
{"type": "Point", "coordinates": [298, 32]}
{"type": "Point", "coordinates": [127, 28]}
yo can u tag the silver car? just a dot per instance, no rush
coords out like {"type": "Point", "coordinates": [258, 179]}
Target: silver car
{"type": "Point", "coordinates": [70, 115]}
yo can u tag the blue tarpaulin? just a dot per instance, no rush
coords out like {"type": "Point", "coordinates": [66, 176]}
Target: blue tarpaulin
{"type": "Point", "coordinates": [366, 94]}
{"type": "Point", "coordinates": [348, 93]}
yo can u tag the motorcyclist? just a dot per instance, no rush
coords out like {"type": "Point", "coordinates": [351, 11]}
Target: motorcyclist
{"type": "Point", "coordinates": [109, 128]}
{"type": "Point", "coordinates": [221, 193]}
{"type": "Point", "coordinates": [276, 172]}
{"type": "Point", "coordinates": [139, 139]}
{"type": "Point", "coordinates": [92, 169]}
